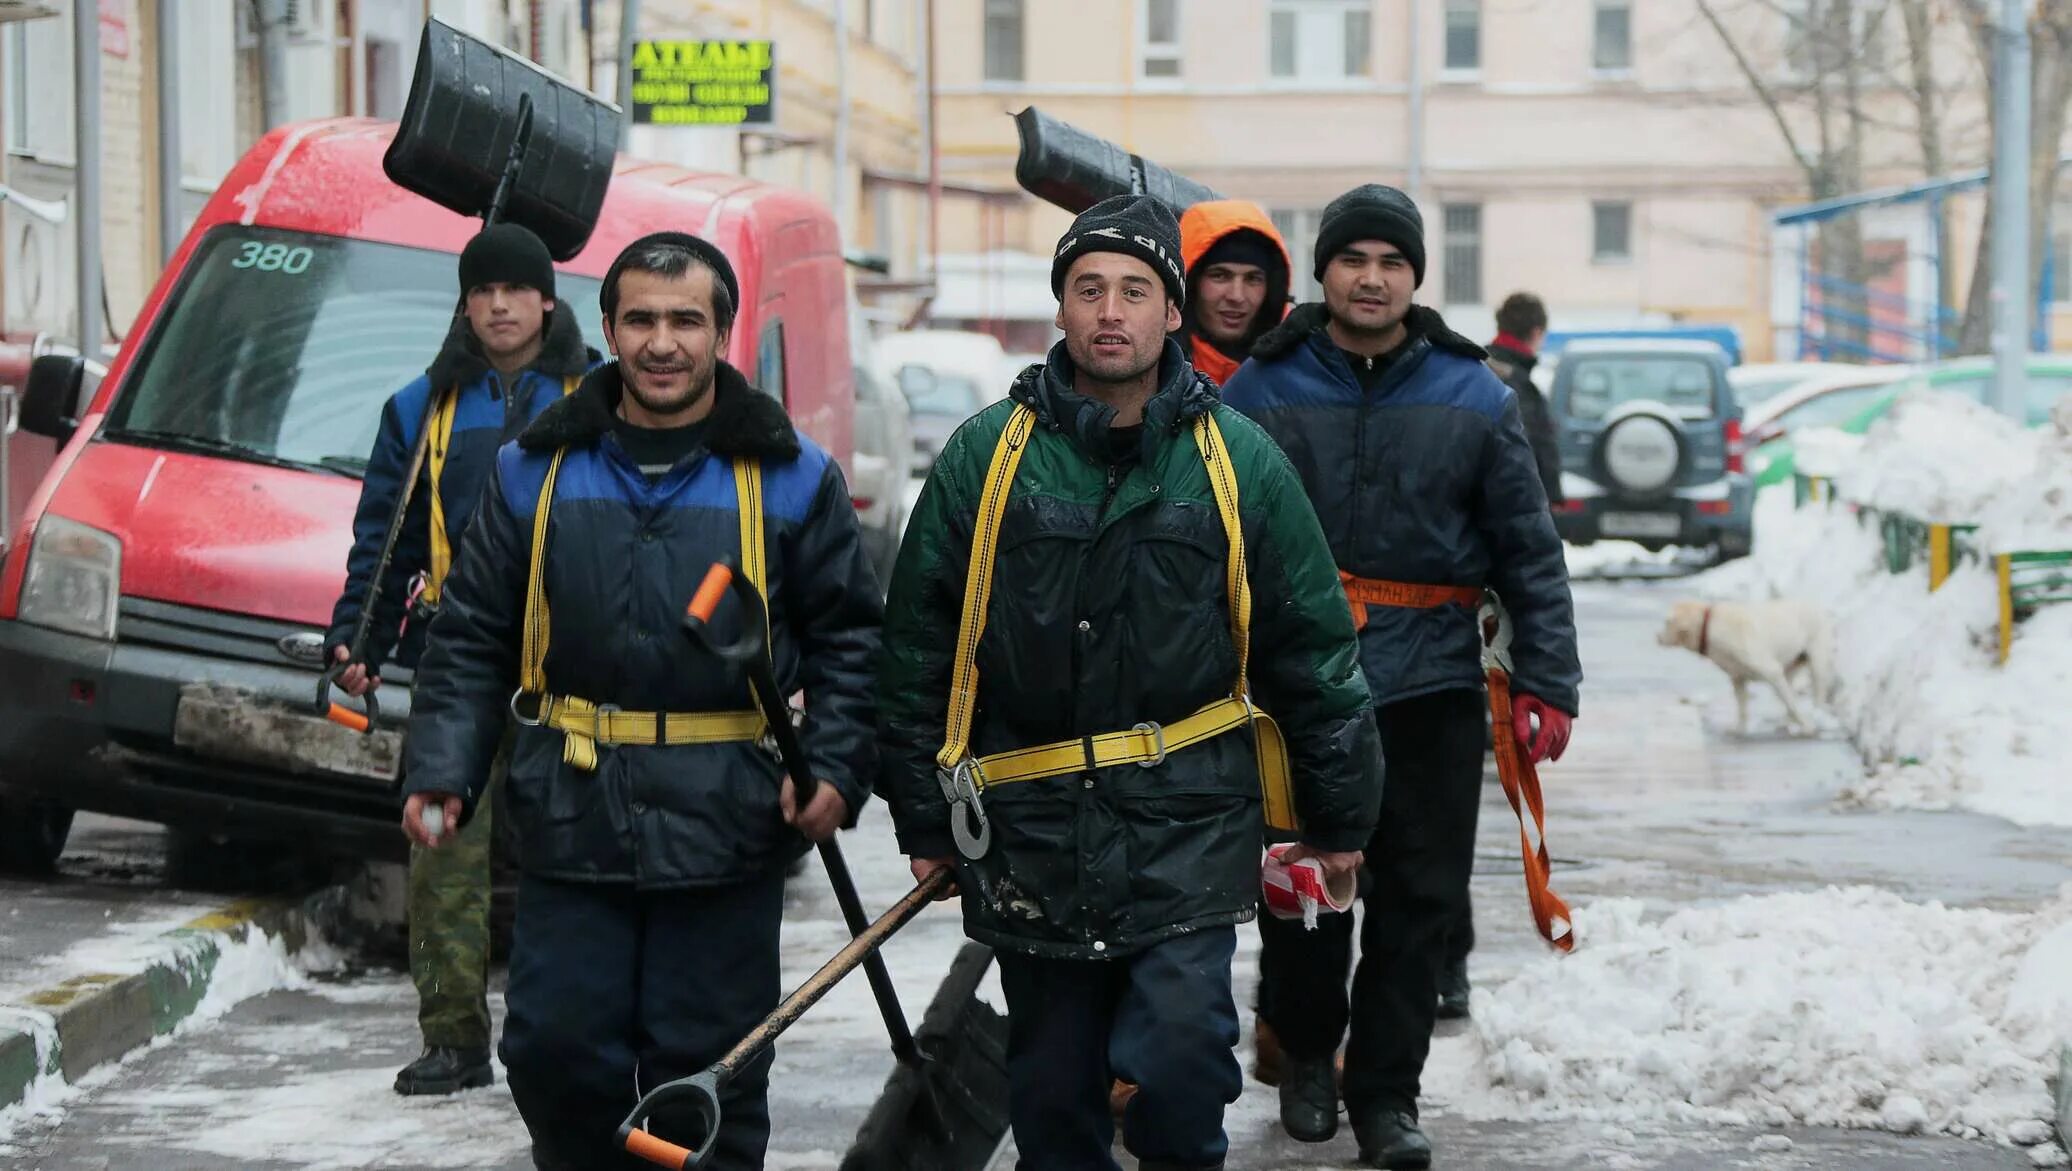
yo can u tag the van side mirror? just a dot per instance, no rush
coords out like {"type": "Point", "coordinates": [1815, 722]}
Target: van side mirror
{"type": "Point", "coordinates": [51, 396]}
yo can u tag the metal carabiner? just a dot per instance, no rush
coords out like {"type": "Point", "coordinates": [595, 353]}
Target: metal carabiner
{"type": "Point", "coordinates": [1496, 649]}
{"type": "Point", "coordinates": [538, 718]}
{"type": "Point", "coordinates": [960, 788]}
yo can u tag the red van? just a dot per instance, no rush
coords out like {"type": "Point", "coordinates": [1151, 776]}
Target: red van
{"type": "Point", "coordinates": [161, 612]}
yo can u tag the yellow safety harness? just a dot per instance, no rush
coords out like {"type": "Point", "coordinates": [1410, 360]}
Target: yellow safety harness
{"type": "Point", "coordinates": [442, 439]}
{"type": "Point", "coordinates": [584, 723]}
{"type": "Point", "coordinates": [964, 777]}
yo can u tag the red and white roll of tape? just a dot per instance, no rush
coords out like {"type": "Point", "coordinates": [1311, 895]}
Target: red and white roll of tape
{"type": "Point", "coordinates": [1300, 890]}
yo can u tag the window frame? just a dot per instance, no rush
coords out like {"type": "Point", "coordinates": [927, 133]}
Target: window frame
{"type": "Point", "coordinates": [1598, 10]}
{"type": "Point", "coordinates": [1448, 71]}
{"type": "Point", "coordinates": [1149, 50]}
{"type": "Point", "coordinates": [769, 352]}
{"type": "Point", "coordinates": [986, 63]}
{"type": "Point", "coordinates": [1452, 238]}
{"type": "Point", "coordinates": [1598, 252]}
{"type": "Point", "coordinates": [1310, 16]}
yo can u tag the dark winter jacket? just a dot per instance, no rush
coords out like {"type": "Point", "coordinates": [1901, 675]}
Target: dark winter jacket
{"type": "Point", "coordinates": [1425, 478]}
{"type": "Point", "coordinates": [1108, 608]}
{"type": "Point", "coordinates": [485, 418]}
{"type": "Point", "coordinates": [1514, 366]}
{"type": "Point", "coordinates": [624, 555]}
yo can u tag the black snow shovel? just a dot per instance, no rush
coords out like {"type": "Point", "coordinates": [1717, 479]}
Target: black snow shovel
{"type": "Point", "coordinates": [946, 1120]}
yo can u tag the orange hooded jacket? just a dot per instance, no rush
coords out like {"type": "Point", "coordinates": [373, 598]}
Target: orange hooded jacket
{"type": "Point", "coordinates": [1201, 226]}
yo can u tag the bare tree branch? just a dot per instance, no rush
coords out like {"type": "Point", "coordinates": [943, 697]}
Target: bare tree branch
{"type": "Point", "coordinates": [1761, 88]}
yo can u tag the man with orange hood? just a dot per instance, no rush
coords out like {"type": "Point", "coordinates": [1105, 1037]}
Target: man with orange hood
{"type": "Point", "coordinates": [1237, 283]}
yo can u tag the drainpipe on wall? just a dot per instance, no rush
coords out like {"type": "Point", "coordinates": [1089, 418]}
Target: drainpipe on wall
{"type": "Point", "coordinates": [1413, 180]}
{"type": "Point", "coordinates": [840, 185]}
{"type": "Point", "coordinates": [271, 16]}
{"type": "Point", "coordinates": [170, 222]}
{"type": "Point", "coordinates": [629, 24]}
{"type": "Point", "coordinates": [86, 131]}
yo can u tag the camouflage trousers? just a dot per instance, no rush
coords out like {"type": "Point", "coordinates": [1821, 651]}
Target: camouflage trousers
{"type": "Point", "coordinates": [449, 927]}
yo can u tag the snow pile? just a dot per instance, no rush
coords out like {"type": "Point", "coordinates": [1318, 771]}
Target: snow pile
{"type": "Point", "coordinates": [1841, 1007]}
{"type": "Point", "coordinates": [2037, 514]}
{"type": "Point", "coordinates": [1940, 457]}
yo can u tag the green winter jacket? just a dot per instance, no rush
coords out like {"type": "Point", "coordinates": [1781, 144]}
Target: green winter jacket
{"type": "Point", "coordinates": [1109, 608]}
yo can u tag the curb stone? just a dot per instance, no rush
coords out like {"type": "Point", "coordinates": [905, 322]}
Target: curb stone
{"type": "Point", "coordinates": [73, 1027]}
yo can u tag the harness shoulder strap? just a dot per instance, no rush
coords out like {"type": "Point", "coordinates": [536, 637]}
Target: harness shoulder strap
{"type": "Point", "coordinates": [978, 584]}
{"type": "Point", "coordinates": [532, 660]}
{"type": "Point", "coordinates": [442, 549]}
{"type": "Point", "coordinates": [1215, 457]}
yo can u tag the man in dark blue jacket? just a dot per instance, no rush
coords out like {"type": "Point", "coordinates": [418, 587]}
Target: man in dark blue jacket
{"type": "Point", "coordinates": [653, 826]}
{"type": "Point", "coordinates": [1414, 456]}
{"type": "Point", "coordinates": [510, 353]}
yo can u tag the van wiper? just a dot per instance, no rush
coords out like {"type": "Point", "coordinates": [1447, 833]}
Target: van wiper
{"type": "Point", "coordinates": [351, 465]}
{"type": "Point", "coordinates": [211, 445]}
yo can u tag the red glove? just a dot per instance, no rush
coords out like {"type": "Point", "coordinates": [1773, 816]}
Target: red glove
{"type": "Point", "coordinates": [1552, 738]}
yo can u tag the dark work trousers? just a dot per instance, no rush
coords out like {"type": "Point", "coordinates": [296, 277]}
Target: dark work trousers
{"type": "Point", "coordinates": [614, 990]}
{"type": "Point", "coordinates": [1418, 864]}
{"type": "Point", "coordinates": [1163, 1019]}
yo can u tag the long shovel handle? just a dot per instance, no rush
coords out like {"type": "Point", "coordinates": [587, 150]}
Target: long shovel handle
{"type": "Point", "coordinates": [703, 1089]}
{"type": "Point", "coordinates": [750, 652]}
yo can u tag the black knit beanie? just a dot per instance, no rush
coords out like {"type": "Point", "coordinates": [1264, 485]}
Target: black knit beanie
{"type": "Point", "coordinates": [702, 249]}
{"type": "Point", "coordinates": [507, 253]}
{"type": "Point", "coordinates": [1243, 246]}
{"type": "Point", "coordinates": [1135, 225]}
{"type": "Point", "coordinates": [1372, 212]}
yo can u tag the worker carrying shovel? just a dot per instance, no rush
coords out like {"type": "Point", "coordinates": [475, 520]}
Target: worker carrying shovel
{"type": "Point", "coordinates": [654, 827]}
{"type": "Point", "coordinates": [1112, 599]}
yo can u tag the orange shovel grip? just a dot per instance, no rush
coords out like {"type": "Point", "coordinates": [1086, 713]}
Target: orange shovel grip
{"type": "Point", "coordinates": [659, 1151]}
{"type": "Point", "coordinates": [346, 717]}
{"type": "Point", "coordinates": [710, 591]}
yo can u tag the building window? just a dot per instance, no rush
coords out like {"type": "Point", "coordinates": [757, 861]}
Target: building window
{"type": "Point", "coordinates": [1160, 38]}
{"type": "Point", "coordinates": [1611, 232]}
{"type": "Point", "coordinates": [1464, 36]}
{"type": "Point", "coordinates": [1612, 37]}
{"type": "Point", "coordinates": [1003, 40]}
{"type": "Point", "coordinates": [1319, 40]}
{"type": "Point", "coordinates": [39, 62]}
{"type": "Point", "coordinates": [1298, 229]}
{"type": "Point", "coordinates": [1463, 253]}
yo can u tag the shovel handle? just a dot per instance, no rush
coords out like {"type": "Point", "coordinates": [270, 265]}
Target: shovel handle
{"type": "Point", "coordinates": [710, 591]}
{"type": "Point", "coordinates": [702, 1092]}
{"type": "Point", "coordinates": [340, 714]}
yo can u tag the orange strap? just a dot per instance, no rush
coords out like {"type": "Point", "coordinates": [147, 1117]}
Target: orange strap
{"type": "Point", "coordinates": [1549, 913]}
{"type": "Point", "coordinates": [1362, 592]}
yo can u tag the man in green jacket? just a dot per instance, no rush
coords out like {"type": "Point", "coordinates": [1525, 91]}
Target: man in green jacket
{"type": "Point", "coordinates": [1068, 716]}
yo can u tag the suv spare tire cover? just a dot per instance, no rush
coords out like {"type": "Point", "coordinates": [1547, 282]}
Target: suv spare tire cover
{"type": "Point", "coordinates": [1641, 452]}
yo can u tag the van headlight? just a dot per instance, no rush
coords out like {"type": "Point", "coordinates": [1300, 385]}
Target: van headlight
{"type": "Point", "coordinates": [73, 574]}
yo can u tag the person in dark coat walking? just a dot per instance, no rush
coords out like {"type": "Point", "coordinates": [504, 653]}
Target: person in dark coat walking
{"type": "Point", "coordinates": [511, 352]}
{"type": "Point", "coordinates": [654, 827]}
{"type": "Point", "coordinates": [1416, 459]}
{"type": "Point", "coordinates": [1521, 325]}
{"type": "Point", "coordinates": [1156, 580]}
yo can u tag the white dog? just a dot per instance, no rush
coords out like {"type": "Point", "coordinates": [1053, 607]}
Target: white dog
{"type": "Point", "coordinates": [1756, 640]}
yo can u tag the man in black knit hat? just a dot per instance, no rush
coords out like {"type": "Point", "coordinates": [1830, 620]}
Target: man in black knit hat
{"type": "Point", "coordinates": [1414, 455]}
{"type": "Point", "coordinates": [1113, 874]}
{"type": "Point", "coordinates": [510, 352]}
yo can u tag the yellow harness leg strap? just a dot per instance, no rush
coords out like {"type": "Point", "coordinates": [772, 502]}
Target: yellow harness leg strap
{"type": "Point", "coordinates": [1147, 743]}
{"type": "Point", "coordinates": [583, 723]}
{"type": "Point", "coordinates": [441, 561]}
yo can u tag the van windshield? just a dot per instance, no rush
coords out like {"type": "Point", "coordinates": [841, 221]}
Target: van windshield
{"type": "Point", "coordinates": [1597, 386]}
{"type": "Point", "coordinates": [281, 347]}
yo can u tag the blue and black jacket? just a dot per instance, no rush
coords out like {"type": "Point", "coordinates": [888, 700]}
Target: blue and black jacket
{"type": "Point", "coordinates": [1425, 477]}
{"type": "Point", "coordinates": [487, 416]}
{"type": "Point", "coordinates": [624, 554]}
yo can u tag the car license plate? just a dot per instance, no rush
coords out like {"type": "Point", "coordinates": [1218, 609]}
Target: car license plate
{"type": "Point", "coordinates": [232, 724]}
{"type": "Point", "coordinates": [1640, 524]}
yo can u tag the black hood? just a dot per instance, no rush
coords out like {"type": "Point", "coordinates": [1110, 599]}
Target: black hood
{"type": "Point", "coordinates": [1311, 317]}
{"type": "Point", "coordinates": [1270, 311]}
{"type": "Point", "coordinates": [1183, 395]}
{"type": "Point", "coordinates": [460, 361]}
{"type": "Point", "coordinates": [744, 421]}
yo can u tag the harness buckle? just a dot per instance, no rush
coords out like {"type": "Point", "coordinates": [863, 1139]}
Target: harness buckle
{"type": "Point", "coordinates": [597, 719]}
{"type": "Point", "coordinates": [538, 716]}
{"type": "Point", "coordinates": [1157, 737]}
{"type": "Point", "coordinates": [968, 825]}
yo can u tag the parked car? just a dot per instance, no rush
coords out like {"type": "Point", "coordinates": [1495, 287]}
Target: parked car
{"type": "Point", "coordinates": [181, 560]}
{"type": "Point", "coordinates": [884, 464]}
{"type": "Point", "coordinates": [947, 376]}
{"type": "Point", "coordinates": [2049, 377]}
{"type": "Point", "coordinates": [1823, 401]}
{"type": "Point", "coordinates": [1763, 381]}
{"type": "Point", "coordinates": [1650, 445]}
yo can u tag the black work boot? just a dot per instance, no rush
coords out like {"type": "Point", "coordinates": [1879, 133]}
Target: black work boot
{"type": "Point", "coordinates": [1309, 1099]}
{"type": "Point", "coordinates": [1167, 1165]}
{"type": "Point", "coordinates": [1390, 1138]}
{"type": "Point", "coordinates": [1453, 990]}
{"type": "Point", "coordinates": [444, 1070]}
